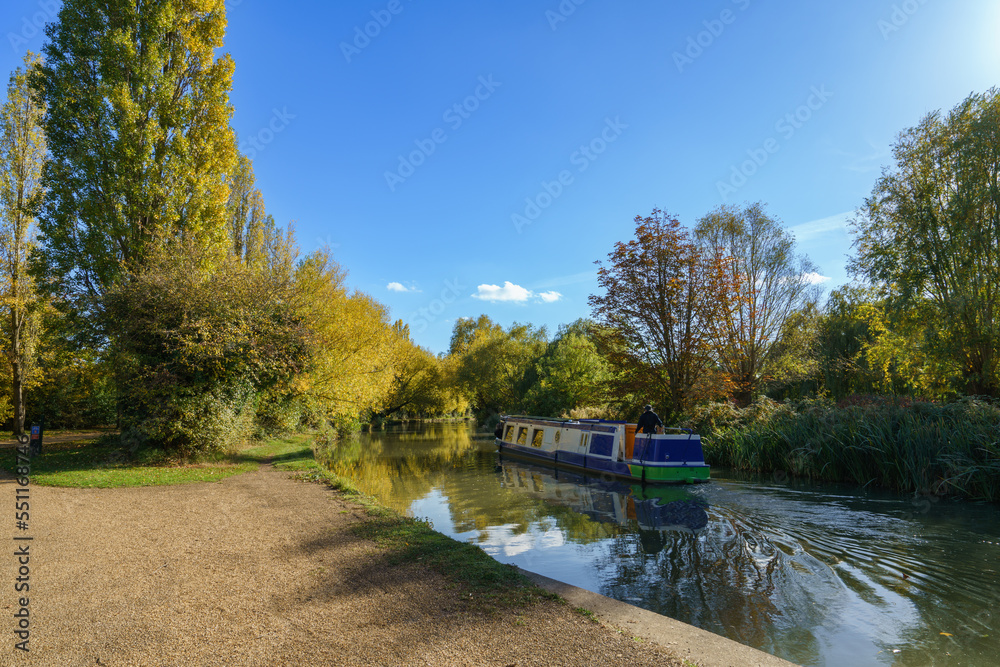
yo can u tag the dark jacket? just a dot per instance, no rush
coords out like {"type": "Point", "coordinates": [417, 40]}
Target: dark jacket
{"type": "Point", "coordinates": [648, 422]}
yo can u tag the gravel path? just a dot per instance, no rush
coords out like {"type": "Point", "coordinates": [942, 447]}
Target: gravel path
{"type": "Point", "coordinates": [257, 570]}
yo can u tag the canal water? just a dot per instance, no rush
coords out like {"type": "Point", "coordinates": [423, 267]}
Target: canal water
{"type": "Point", "coordinates": [818, 574]}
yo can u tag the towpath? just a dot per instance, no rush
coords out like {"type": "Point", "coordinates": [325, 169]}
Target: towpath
{"type": "Point", "coordinates": [258, 570]}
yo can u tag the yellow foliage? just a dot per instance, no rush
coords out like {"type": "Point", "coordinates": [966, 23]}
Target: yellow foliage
{"type": "Point", "coordinates": [353, 347]}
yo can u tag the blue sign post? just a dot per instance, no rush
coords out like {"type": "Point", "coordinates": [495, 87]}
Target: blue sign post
{"type": "Point", "coordinates": [35, 448]}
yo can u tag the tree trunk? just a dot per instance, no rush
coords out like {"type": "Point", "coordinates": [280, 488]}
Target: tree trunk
{"type": "Point", "coordinates": [17, 382]}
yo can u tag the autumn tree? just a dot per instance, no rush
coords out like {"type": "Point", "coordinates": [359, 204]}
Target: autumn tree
{"type": "Point", "coordinates": [768, 284]}
{"type": "Point", "coordinates": [139, 137]}
{"type": "Point", "coordinates": [661, 297]}
{"type": "Point", "coordinates": [418, 380]}
{"type": "Point", "coordinates": [927, 237]}
{"type": "Point", "coordinates": [248, 224]}
{"type": "Point", "coordinates": [22, 156]}
{"type": "Point", "coordinates": [352, 346]}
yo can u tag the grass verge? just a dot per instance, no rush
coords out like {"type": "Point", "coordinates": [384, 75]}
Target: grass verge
{"type": "Point", "coordinates": [487, 584]}
{"type": "Point", "coordinates": [98, 464]}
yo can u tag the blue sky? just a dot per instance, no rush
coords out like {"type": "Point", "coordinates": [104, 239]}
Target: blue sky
{"type": "Point", "coordinates": [477, 157]}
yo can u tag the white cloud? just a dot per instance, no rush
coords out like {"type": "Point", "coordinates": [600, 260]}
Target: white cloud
{"type": "Point", "coordinates": [550, 297]}
{"type": "Point", "coordinates": [511, 293]}
{"type": "Point", "coordinates": [814, 278]}
{"type": "Point", "coordinates": [400, 287]}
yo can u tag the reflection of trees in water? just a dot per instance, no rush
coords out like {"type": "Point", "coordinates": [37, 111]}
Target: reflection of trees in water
{"type": "Point", "coordinates": [400, 467]}
{"type": "Point", "coordinates": [769, 569]}
{"type": "Point", "coordinates": [722, 579]}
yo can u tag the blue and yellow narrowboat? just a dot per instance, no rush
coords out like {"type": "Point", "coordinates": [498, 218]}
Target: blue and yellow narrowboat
{"type": "Point", "coordinates": [606, 448]}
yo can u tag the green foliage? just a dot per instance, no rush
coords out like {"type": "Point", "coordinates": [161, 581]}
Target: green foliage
{"type": "Point", "coordinates": [928, 235]}
{"type": "Point", "coordinates": [76, 388]}
{"type": "Point", "coordinates": [863, 345]}
{"type": "Point", "coordinates": [794, 366]}
{"type": "Point", "coordinates": [139, 137]}
{"type": "Point", "coordinates": [496, 367]}
{"type": "Point", "coordinates": [195, 344]}
{"type": "Point", "coordinates": [277, 414]}
{"type": "Point", "coordinates": [571, 374]}
{"type": "Point", "coordinates": [905, 445]}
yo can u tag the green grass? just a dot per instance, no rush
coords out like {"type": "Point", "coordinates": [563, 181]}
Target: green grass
{"type": "Point", "coordinates": [96, 464]}
{"type": "Point", "coordinates": [486, 584]}
{"type": "Point", "coordinates": [288, 453]}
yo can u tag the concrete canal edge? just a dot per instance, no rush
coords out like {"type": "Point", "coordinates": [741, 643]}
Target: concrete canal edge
{"type": "Point", "coordinates": [687, 642]}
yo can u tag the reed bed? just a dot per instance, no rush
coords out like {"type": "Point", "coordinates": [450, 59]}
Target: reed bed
{"type": "Point", "coordinates": [910, 446]}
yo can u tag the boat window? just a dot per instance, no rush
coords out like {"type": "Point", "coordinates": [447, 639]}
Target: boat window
{"type": "Point", "coordinates": [557, 437]}
{"type": "Point", "coordinates": [522, 435]}
{"type": "Point", "coordinates": [536, 439]}
{"type": "Point", "coordinates": [509, 435]}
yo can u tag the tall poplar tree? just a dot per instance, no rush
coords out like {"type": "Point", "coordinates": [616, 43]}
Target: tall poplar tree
{"type": "Point", "coordinates": [250, 227]}
{"type": "Point", "coordinates": [138, 130]}
{"type": "Point", "coordinates": [22, 156]}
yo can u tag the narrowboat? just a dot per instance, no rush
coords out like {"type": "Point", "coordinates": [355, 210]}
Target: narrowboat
{"type": "Point", "coordinates": [606, 448]}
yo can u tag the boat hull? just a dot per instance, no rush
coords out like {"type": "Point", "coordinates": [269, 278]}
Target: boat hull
{"type": "Point", "coordinates": [605, 448]}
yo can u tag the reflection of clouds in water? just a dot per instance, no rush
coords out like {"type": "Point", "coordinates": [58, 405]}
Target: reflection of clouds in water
{"type": "Point", "coordinates": [434, 508]}
{"type": "Point", "coordinates": [503, 540]}
{"type": "Point", "coordinates": [814, 572]}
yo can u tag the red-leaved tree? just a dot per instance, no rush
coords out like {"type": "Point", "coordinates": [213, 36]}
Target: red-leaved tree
{"type": "Point", "coordinates": [662, 295]}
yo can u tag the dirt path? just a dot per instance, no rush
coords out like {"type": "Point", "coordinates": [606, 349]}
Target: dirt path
{"type": "Point", "coordinates": [256, 570]}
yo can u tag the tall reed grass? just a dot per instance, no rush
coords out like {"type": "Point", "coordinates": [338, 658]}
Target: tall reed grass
{"type": "Point", "coordinates": [921, 447]}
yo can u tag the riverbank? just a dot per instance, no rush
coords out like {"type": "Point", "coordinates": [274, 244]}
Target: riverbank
{"type": "Point", "coordinates": [910, 446]}
{"type": "Point", "coordinates": [261, 569]}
